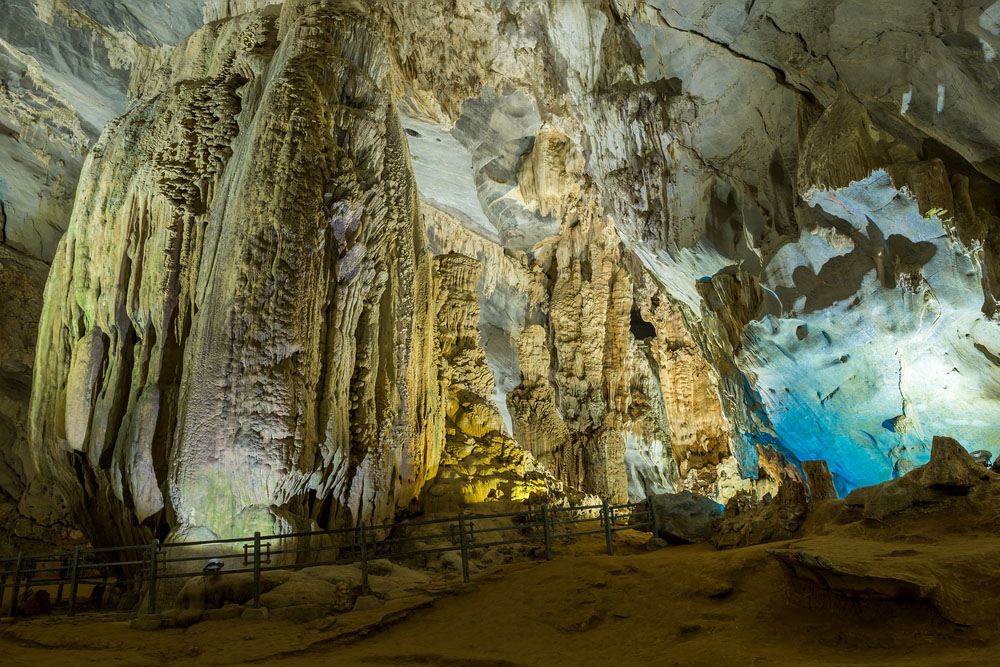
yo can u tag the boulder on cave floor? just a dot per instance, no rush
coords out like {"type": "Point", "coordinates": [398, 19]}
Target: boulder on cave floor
{"type": "Point", "coordinates": [685, 517]}
{"type": "Point", "coordinates": [747, 522]}
{"type": "Point", "coordinates": [950, 472]}
{"type": "Point", "coordinates": [35, 602]}
{"type": "Point", "coordinates": [298, 596]}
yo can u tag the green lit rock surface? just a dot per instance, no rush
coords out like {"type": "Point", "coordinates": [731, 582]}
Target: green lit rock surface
{"type": "Point", "coordinates": [233, 318]}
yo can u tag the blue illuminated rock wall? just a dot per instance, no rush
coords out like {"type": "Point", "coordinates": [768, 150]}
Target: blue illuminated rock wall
{"type": "Point", "coordinates": [866, 381]}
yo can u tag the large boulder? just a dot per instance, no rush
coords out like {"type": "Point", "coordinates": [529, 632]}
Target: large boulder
{"type": "Point", "coordinates": [302, 588]}
{"type": "Point", "coordinates": [951, 468]}
{"type": "Point", "coordinates": [685, 517]}
{"type": "Point", "coordinates": [747, 522]}
{"type": "Point", "coordinates": [951, 471]}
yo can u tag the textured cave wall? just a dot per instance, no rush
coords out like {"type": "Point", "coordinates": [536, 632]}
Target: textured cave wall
{"type": "Point", "coordinates": [714, 238]}
{"type": "Point", "coordinates": [235, 331]}
{"type": "Point", "coordinates": [66, 69]}
{"type": "Point", "coordinates": [706, 126]}
{"type": "Point", "coordinates": [33, 515]}
{"type": "Point", "coordinates": [833, 306]}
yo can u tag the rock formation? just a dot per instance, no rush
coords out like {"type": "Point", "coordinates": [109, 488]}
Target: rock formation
{"type": "Point", "coordinates": [32, 513]}
{"type": "Point", "coordinates": [237, 339]}
{"type": "Point", "coordinates": [336, 248]}
{"type": "Point", "coordinates": [479, 461]}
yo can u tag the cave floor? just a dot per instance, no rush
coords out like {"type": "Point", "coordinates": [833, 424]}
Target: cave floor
{"type": "Point", "coordinates": [683, 605]}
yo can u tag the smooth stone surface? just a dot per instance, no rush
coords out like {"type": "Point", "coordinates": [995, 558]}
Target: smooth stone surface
{"type": "Point", "coordinates": [685, 516]}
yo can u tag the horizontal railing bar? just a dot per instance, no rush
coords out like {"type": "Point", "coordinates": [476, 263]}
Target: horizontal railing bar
{"type": "Point", "coordinates": [567, 522]}
{"type": "Point", "coordinates": [178, 575]}
{"type": "Point", "coordinates": [315, 533]}
{"type": "Point", "coordinates": [13, 559]}
{"type": "Point", "coordinates": [471, 517]}
{"type": "Point", "coordinates": [423, 522]}
{"type": "Point", "coordinates": [600, 531]}
{"type": "Point", "coordinates": [202, 557]}
{"type": "Point", "coordinates": [333, 531]}
{"type": "Point", "coordinates": [101, 550]}
{"type": "Point", "coordinates": [483, 545]}
{"type": "Point", "coordinates": [422, 552]}
{"type": "Point", "coordinates": [478, 531]}
{"type": "Point", "coordinates": [279, 552]}
{"type": "Point", "coordinates": [175, 545]}
{"type": "Point", "coordinates": [110, 564]}
{"type": "Point", "coordinates": [414, 538]}
{"type": "Point", "coordinates": [576, 509]}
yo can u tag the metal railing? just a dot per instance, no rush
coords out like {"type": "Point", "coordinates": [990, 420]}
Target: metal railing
{"type": "Point", "coordinates": [145, 565]}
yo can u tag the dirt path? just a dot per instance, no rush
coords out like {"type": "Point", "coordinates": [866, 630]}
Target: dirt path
{"type": "Point", "coordinates": [685, 606]}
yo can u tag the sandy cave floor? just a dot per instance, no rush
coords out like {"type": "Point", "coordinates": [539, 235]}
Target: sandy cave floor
{"type": "Point", "coordinates": [685, 605]}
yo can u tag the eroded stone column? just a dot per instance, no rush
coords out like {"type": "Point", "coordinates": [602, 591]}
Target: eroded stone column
{"type": "Point", "coordinates": [235, 330]}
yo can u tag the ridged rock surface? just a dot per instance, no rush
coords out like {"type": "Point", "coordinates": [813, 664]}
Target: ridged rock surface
{"type": "Point", "coordinates": [233, 321]}
{"type": "Point", "coordinates": [679, 246]}
{"type": "Point", "coordinates": [33, 514]}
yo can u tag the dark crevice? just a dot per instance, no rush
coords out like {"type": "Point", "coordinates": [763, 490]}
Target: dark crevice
{"type": "Point", "coordinates": [641, 329]}
{"type": "Point", "coordinates": [119, 397]}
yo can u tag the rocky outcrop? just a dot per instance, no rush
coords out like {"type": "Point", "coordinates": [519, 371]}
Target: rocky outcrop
{"type": "Point", "coordinates": [747, 522]}
{"type": "Point", "coordinates": [208, 367]}
{"type": "Point", "coordinates": [819, 479]}
{"type": "Point", "coordinates": [684, 517]}
{"type": "Point", "coordinates": [925, 537]}
{"type": "Point", "coordinates": [537, 424]}
{"type": "Point", "coordinates": [852, 581]}
{"type": "Point", "coordinates": [480, 461]}
{"type": "Point", "coordinates": [950, 471]}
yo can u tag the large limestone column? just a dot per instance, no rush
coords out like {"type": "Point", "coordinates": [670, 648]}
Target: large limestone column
{"type": "Point", "coordinates": [235, 329]}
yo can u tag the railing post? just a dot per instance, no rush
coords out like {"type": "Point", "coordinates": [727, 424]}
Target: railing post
{"type": "Point", "coordinates": [73, 581]}
{"type": "Point", "coordinates": [364, 560]}
{"type": "Point", "coordinates": [62, 575]}
{"type": "Point", "coordinates": [154, 548]}
{"type": "Point", "coordinates": [652, 516]}
{"type": "Point", "coordinates": [256, 569]}
{"type": "Point", "coordinates": [12, 608]}
{"type": "Point", "coordinates": [548, 532]}
{"type": "Point", "coordinates": [465, 547]}
{"type": "Point", "coordinates": [608, 527]}
{"type": "Point", "coordinates": [3, 588]}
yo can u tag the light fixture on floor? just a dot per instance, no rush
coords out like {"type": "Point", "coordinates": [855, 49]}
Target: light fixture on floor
{"type": "Point", "coordinates": [213, 566]}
